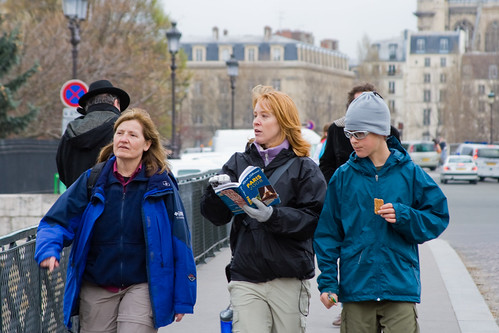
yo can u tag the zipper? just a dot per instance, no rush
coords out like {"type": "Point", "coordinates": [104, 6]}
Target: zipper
{"type": "Point", "coordinates": [121, 235]}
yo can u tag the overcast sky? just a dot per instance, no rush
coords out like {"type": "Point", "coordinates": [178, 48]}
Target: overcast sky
{"type": "Point", "coordinates": [346, 21]}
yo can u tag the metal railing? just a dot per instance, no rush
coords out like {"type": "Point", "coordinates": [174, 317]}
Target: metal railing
{"type": "Point", "coordinates": [32, 299]}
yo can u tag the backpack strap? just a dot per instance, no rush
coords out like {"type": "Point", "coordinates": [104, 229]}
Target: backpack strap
{"type": "Point", "coordinates": [280, 170]}
{"type": "Point", "coordinates": [92, 179]}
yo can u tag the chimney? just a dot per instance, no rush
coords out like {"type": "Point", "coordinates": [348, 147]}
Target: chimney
{"type": "Point", "coordinates": [330, 44]}
{"type": "Point", "coordinates": [267, 32]}
{"type": "Point", "coordinates": [215, 33]}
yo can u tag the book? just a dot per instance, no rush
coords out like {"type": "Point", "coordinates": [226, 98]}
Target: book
{"type": "Point", "coordinates": [252, 184]}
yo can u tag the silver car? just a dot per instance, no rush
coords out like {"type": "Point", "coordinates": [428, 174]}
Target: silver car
{"type": "Point", "coordinates": [423, 153]}
{"type": "Point", "coordinates": [459, 167]}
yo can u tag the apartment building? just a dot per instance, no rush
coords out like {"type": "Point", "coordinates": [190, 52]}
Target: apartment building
{"type": "Point", "coordinates": [317, 78]}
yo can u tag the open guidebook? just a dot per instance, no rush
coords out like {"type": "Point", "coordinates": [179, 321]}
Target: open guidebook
{"type": "Point", "coordinates": [252, 184]}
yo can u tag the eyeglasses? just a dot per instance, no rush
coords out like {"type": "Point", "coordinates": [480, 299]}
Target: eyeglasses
{"type": "Point", "coordinates": [359, 135]}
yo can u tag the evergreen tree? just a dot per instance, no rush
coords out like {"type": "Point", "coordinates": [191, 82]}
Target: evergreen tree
{"type": "Point", "coordinates": [9, 59]}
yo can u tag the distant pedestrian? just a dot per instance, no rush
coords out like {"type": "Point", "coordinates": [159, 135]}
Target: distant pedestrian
{"type": "Point", "coordinates": [319, 149]}
{"type": "Point", "coordinates": [338, 147]}
{"type": "Point", "coordinates": [86, 135]}
{"type": "Point", "coordinates": [379, 207]}
{"type": "Point", "coordinates": [131, 267]}
{"type": "Point", "coordinates": [272, 253]}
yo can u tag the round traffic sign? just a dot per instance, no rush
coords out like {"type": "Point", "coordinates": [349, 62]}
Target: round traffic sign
{"type": "Point", "coordinates": [71, 91]}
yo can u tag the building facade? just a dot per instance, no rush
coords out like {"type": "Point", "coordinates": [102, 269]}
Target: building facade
{"type": "Point", "coordinates": [316, 78]}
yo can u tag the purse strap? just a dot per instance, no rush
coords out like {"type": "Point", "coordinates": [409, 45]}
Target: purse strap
{"type": "Point", "coordinates": [280, 170]}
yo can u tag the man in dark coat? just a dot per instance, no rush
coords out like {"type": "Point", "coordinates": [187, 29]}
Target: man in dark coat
{"type": "Point", "coordinates": [338, 147]}
{"type": "Point", "coordinates": [86, 135]}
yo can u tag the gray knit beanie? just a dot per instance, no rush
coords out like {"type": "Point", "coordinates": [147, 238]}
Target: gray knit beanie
{"type": "Point", "coordinates": [368, 112]}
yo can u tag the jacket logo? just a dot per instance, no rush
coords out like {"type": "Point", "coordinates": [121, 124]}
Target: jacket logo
{"type": "Point", "coordinates": [179, 214]}
{"type": "Point", "coordinates": [191, 277]}
{"type": "Point", "coordinates": [166, 183]}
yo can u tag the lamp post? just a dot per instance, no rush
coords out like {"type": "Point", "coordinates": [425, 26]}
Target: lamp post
{"type": "Point", "coordinates": [173, 37]}
{"type": "Point", "coordinates": [232, 71]}
{"type": "Point", "coordinates": [75, 11]}
{"type": "Point", "coordinates": [492, 98]}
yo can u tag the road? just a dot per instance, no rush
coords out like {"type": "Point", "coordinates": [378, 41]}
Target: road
{"type": "Point", "coordinates": [474, 233]}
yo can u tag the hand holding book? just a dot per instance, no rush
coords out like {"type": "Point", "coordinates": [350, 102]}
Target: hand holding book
{"type": "Point", "coordinates": [252, 184]}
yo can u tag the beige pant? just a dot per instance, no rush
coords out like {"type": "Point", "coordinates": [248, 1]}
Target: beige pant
{"type": "Point", "coordinates": [277, 306]}
{"type": "Point", "coordinates": [127, 311]}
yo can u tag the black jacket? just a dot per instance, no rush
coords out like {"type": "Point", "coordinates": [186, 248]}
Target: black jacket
{"type": "Point", "coordinates": [338, 148]}
{"type": "Point", "coordinates": [82, 141]}
{"type": "Point", "coordinates": [281, 246]}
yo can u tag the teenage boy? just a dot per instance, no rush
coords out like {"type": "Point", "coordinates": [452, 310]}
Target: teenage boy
{"type": "Point", "coordinates": [379, 206]}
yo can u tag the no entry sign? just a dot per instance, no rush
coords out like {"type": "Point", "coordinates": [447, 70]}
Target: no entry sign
{"type": "Point", "coordinates": [71, 92]}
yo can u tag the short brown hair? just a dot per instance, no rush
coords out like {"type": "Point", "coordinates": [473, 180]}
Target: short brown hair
{"type": "Point", "coordinates": [358, 89]}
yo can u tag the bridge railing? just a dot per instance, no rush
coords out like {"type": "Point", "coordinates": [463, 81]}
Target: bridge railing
{"type": "Point", "coordinates": [32, 299]}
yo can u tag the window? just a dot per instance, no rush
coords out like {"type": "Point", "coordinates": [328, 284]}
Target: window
{"type": "Point", "coordinates": [481, 89]}
{"type": "Point", "coordinates": [420, 45]}
{"type": "Point", "coordinates": [443, 62]}
{"type": "Point", "coordinates": [199, 54]}
{"type": "Point", "coordinates": [225, 53]}
{"type": "Point", "coordinates": [391, 69]}
{"type": "Point", "coordinates": [481, 106]}
{"type": "Point", "coordinates": [198, 88]}
{"type": "Point", "coordinates": [493, 72]}
{"type": "Point", "coordinates": [276, 83]}
{"type": "Point", "coordinates": [426, 117]}
{"type": "Point", "coordinates": [392, 49]}
{"type": "Point", "coordinates": [391, 105]}
{"type": "Point", "coordinates": [277, 54]}
{"type": "Point", "coordinates": [427, 96]}
{"type": "Point", "coordinates": [443, 93]}
{"type": "Point", "coordinates": [391, 87]}
{"type": "Point", "coordinates": [444, 45]}
{"type": "Point", "coordinates": [443, 78]}
{"type": "Point", "coordinates": [427, 62]}
{"type": "Point", "coordinates": [251, 53]}
{"type": "Point", "coordinates": [427, 78]}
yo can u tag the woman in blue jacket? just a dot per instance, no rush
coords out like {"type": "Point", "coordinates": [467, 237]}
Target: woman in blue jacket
{"type": "Point", "coordinates": [379, 206]}
{"type": "Point", "coordinates": [131, 267]}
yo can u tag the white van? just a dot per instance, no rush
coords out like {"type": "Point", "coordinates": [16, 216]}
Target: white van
{"type": "Point", "coordinates": [486, 158]}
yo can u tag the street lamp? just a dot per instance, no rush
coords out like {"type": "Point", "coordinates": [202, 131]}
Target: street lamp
{"type": "Point", "coordinates": [492, 98]}
{"type": "Point", "coordinates": [75, 11]}
{"type": "Point", "coordinates": [233, 71]}
{"type": "Point", "coordinates": [173, 37]}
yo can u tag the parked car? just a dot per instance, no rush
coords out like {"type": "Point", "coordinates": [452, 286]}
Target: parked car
{"type": "Point", "coordinates": [459, 167]}
{"type": "Point", "coordinates": [423, 153]}
{"type": "Point", "coordinates": [485, 156]}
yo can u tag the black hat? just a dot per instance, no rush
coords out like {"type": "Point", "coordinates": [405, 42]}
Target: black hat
{"type": "Point", "coordinates": [103, 87]}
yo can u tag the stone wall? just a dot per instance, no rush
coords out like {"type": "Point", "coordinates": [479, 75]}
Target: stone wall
{"type": "Point", "coordinates": [19, 211]}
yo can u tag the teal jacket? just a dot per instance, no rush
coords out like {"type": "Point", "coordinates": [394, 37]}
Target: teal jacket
{"type": "Point", "coordinates": [171, 269]}
{"type": "Point", "coordinates": [378, 260]}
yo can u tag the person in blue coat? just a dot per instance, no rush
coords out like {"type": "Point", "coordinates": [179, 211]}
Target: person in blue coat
{"type": "Point", "coordinates": [379, 206]}
{"type": "Point", "coordinates": [131, 266]}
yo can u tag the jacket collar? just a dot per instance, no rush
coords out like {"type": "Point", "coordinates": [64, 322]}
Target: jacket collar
{"type": "Point", "coordinates": [103, 107]}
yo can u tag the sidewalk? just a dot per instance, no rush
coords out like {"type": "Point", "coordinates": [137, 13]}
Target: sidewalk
{"type": "Point", "coordinates": [450, 302]}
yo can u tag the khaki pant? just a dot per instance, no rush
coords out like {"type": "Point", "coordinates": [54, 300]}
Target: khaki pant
{"type": "Point", "coordinates": [375, 317]}
{"type": "Point", "coordinates": [277, 306]}
{"type": "Point", "coordinates": [127, 311]}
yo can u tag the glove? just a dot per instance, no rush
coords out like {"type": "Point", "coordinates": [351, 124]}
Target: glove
{"type": "Point", "coordinates": [262, 213]}
{"type": "Point", "coordinates": [219, 180]}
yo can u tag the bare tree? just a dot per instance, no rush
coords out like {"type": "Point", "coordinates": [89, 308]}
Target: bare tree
{"type": "Point", "coordinates": [122, 41]}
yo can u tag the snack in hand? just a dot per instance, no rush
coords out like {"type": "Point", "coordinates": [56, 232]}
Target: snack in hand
{"type": "Point", "coordinates": [377, 205]}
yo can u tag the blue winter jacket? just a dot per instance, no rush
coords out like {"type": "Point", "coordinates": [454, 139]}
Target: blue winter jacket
{"type": "Point", "coordinates": [378, 260]}
{"type": "Point", "coordinates": [171, 270]}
